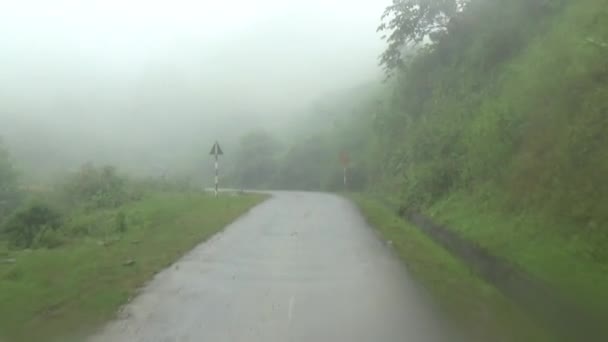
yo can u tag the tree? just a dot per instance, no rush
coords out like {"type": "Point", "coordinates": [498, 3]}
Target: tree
{"type": "Point", "coordinates": [9, 190]}
{"type": "Point", "coordinates": [256, 159]}
{"type": "Point", "coordinates": [29, 223]}
{"type": "Point", "coordinates": [411, 22]}
{"type": "Point", "coordinates": [306, 165]}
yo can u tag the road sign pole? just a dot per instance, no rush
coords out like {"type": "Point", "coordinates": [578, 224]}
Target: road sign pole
{"type": "Point", "coordinates": [216, 151]}
{"type": "Point", "coordinates": [345, 161]}
{"type": "Point", "coordinates": [217, 175]}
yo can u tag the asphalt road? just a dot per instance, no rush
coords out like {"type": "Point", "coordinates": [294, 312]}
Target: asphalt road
{"type": "Point", "coordinates": [299, 267]}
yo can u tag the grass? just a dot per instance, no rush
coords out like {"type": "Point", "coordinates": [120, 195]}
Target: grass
{"type": "Point", "coordinates": [65, 293]}
{"type": "Point", "coordinates": [517, 162]}
{"type": "Point", "coordinates": [560, 252]}
{"type": "Point", "coordinates": [479, 309]}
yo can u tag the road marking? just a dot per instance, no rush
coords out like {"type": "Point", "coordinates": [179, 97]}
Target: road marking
{"type": "Point", "coordinates": [292, 302]}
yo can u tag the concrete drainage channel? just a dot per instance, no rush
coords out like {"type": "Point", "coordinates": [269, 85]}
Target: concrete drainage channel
{"type": "Point", "coordinates": [551, 308]}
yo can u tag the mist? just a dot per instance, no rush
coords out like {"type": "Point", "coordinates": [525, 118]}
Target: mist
{"type": "Point", "coordinates": [149, 85]}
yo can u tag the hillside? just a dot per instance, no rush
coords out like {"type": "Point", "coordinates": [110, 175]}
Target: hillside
{"type": "Point", "coordinates": [499, 131]}
{"type": "Point", "coordinates": [496, 127]}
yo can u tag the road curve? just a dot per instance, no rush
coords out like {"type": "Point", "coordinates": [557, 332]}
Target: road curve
{"type": "Point", "coordinates": [300, 267]}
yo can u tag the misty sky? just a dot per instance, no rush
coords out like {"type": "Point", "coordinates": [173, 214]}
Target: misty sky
{"type": "Point", "coordinates": [145, 73]}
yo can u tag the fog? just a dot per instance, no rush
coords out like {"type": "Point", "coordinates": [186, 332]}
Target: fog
{"type": "Point", "coordinates": [150, 84]}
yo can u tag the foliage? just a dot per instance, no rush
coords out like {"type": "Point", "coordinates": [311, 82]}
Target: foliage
{"type": "Point", "coordinates": [339, 124]}
{"type": "Point", "coordinates": [480, 108]}
{"type": "Point", "coordinates": [450, 124]}
{"type": "Point", "coordinates": [90, 192]}
{"type": "Point", "coordinates": [574, 263]}
{"type": "Point", "coordinates": [121, 222]}
{"type": "Point", "coordinates": [412, 21]}
{"type": "Point", "coordinates": [506, 110]}
{"type": "Point", "coordinates": [9, 191]}
{"type": "Point", "coordinates": [302, 167]}
{"type": "Point", "coordinates": [78, 287]}
{"type": "Point", "coordinates": [50, 238]}
{"type": "Point", "coordinates": [256, 159]}
{"type": "Point", "coordinates": [99, 187]}
{"type": "Point", "coordinates": [467, 298]}
{"type": "Point", "coordinates": [33, 224]}
{"type": "Point", "coordinates": [440, 24]}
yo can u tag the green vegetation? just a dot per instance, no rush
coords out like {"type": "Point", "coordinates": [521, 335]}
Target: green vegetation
{"type": "Point", "coordinates": [567, 261]}
{"type": "Point", "coordinates": [338, 123]}
{"type": "Point", "coordinates": [496, 142]}
{"type": "Point", "coordinates": [98, 188]}
{"type": "Point", "coordinates": [256, 160]}
{"type": "Point", "coordinates": [66, 267]}
{"type": "Point", "coordinates": [32, 226]}
{"type": "Point", "coordinates": [9, 192]}
{"type": "Point", "coordinates": [478, 308]}
{"type": "Point", "coordinates": [493, 119]}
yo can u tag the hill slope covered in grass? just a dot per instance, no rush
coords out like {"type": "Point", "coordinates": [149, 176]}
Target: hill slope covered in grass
{"type": "Point", "coordinates": [497, 127]}
{"type": "Point", "coordinates": [500, 131]}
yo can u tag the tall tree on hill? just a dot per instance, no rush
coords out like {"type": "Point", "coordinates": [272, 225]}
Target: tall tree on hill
{"type": "Point", "coordinates": [407, 22]}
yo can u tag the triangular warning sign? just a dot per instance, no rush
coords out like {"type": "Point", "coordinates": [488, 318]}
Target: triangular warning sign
{"type": "Point", "coordinates": [216, 150]}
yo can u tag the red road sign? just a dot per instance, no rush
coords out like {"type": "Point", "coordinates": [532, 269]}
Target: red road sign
{"type": "Point", "coordinates": [344, 159]}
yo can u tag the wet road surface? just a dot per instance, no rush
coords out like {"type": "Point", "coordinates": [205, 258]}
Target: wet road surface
{"type": "Point", "coordinates": [299, 267]}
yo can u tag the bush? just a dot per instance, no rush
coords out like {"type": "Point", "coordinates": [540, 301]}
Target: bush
{"type": "Point", "coordinates": [9, 191]}
{"type": "Point", "coordinates": [33, 223]}
{"type": "Point", "coordinates": [97, 187]}
{"type": "Point", "coordinates": [49, 238]}
{"type": "Point", "coordinates": [121, 222]}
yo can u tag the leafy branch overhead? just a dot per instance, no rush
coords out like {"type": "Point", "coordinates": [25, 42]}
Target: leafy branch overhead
{"type": "Point", "coordinates": [411, 22]}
